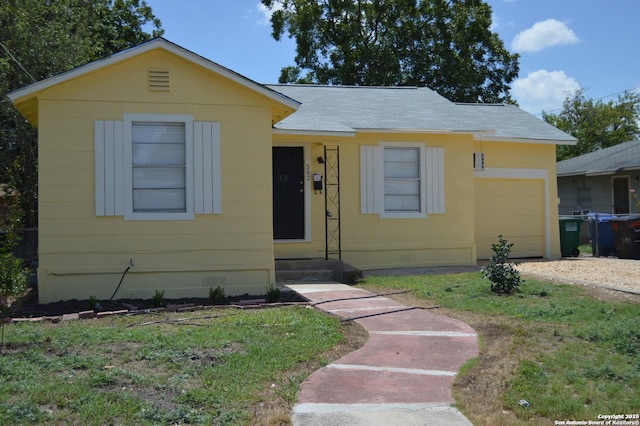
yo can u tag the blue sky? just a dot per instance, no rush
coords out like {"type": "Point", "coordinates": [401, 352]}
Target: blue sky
{"type": "Point", "coordinates": [564, 44]}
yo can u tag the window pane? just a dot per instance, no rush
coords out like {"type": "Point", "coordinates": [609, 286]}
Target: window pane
{"type": "Point", "coordinates": [159, 200]}
{"type": "Point", "coordinates": [158, 177]}
{"type": "Point", "coordinates": [402, 179]}
{"type": "Point", "coordinates": [158, 154]}
{"type": "Point", "coordinates": [406, 155]}
{"type": "Point", "coordinates": [402, 187]}
{"type": "Point", "coordinates": [397, 203]}
{"type": "Point", "coordinates": [401, 170]}
{"type": "Point", "coordinates": [158, 133]}
{"type": "Point", "coordinates": [159, 167]}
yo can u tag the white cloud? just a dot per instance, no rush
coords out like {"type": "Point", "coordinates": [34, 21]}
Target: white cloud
{"type": "Point", "coordinates": [543, 90]}
{"type": "Point", "coordinates": [266, 13]}
{"type": "Point", "coordinates": [544, 34]}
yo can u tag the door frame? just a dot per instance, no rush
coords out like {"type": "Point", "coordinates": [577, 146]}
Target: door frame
{"type": "Point", "coordinates": [307, 189]}
{"type": "Point", "coordinates": [627, 179]}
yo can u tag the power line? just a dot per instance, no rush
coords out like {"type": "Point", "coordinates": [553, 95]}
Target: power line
{"type": "Point", "coordinates": [17, 62]}
{"type": "Point", "coordinates": [553, 111]}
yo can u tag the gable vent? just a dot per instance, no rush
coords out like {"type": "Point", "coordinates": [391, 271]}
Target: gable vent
{"type": "Point", "coordinates": [159, 79]}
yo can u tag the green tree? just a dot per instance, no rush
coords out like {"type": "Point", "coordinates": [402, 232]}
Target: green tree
{"type": "Point", "coordinates": [39, 39]}
{"type": "Point", "coordinates": [596, 124]}
{"type": "Point", "coordinates": [446, 45]}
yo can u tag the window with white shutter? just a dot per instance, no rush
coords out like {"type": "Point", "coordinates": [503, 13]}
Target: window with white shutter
{"type": "Point", "coordinates": [157, 167]}
{"type": "Point", "coordinates": [402, 180]}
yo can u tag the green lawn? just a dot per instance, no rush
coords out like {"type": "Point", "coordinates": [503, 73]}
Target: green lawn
{"type": "Point", "coordinates": [570, 352]}
{"type": "Point", "coordinates": [207, 367]}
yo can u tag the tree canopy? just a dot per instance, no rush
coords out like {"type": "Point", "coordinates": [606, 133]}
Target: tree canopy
{"type": "Point", "coordinates": [596, 124]}
{"type": "Point", "coordinates": [446, 45]}
{"type": "Point", "coordinates": [42, 38]}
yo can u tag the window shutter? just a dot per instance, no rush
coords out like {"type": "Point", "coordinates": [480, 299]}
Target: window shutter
{"type": "Point", "coordinates": [109, 168]}
{"type": "Point", "coordinates": [434, 163]}
{"type": "Point", "coordinates": [206, 168]}
{"type": "Point", "coordinates": [371, 185]}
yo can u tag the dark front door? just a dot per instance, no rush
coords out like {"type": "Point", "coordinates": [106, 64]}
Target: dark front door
{"type": "Point", "coordinates": [621, 195]}
{"type": "Point", "coordinates": [288, 193]}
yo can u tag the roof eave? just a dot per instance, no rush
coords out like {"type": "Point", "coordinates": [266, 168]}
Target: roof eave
{"type": "Point", "coordinates": [311, 132]}
{"type": "Point", "coordinates": [491, 138]}
{"type": "Point", "coordinates": [413, 130]}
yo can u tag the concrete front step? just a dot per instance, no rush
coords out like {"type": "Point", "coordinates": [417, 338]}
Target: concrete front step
{"type": "Point", "coordinates": [307, 270]}
{"type": "Point", "coordinates": [304, 275]}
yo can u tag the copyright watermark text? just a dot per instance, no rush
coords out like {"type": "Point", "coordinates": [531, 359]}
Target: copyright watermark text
{"type": "Point", "coordinates": [605, 420]}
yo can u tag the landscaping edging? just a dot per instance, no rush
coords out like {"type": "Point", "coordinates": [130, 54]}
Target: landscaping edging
{"type": "Point", "coordinates": [90, 314]}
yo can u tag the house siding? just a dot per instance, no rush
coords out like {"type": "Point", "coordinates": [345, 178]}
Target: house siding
{"type": "Point", "coordinates": [372, 242]}
{"type": "Point", "coordinates": [516, 196]}
{"type": "Point", "coordinates": [82, 255]}
{"type": "Point", "coordinates": [600, 192]}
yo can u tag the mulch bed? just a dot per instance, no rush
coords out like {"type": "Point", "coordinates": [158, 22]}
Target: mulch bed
{"type": "Point", "coordinates": [28, 306]}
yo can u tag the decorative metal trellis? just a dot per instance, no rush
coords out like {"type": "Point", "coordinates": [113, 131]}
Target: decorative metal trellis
{"type": "Point", "coordinates": [333, 243]}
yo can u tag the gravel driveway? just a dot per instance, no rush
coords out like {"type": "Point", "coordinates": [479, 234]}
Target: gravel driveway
{"type": "Point", "coordinates": [621, 274]}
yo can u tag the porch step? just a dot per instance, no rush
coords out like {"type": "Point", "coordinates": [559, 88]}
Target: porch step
{"type": "Point", "coordinates": [307, 270]}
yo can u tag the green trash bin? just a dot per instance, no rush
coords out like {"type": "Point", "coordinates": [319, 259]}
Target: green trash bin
{"type": "Point", "coordinates": [570, 235]}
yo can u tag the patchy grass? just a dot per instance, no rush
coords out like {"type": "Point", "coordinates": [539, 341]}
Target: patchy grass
{"type": "Point", "coordinates": [571, 352]}
{"type": "Point", "coordinates": [585, 249]}
{"type": "Point", "coordinates": [210, 367]}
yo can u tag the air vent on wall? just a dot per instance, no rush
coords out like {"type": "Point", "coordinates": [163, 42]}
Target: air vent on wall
{"type": "Point", "coordinates": [159, 79]}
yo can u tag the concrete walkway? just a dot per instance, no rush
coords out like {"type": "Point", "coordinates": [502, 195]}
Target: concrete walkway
{"type": "Point", "coordinates": [404, 373]}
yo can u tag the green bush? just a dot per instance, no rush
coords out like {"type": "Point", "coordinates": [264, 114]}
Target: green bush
{"type": "Point", "coordinates": [273, 293]}
{"type": "Point", "coordinates": [502, 273]}
{"type": "Point", "coordinates": [157, 298]}
{"type": "Point", "coordinates": [13, 279]}
{"type": "Point", "coordinates": [216, 295]}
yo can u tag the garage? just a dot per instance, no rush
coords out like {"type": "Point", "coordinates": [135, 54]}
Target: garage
{"type": "Point", "coordinates": [520, 219]}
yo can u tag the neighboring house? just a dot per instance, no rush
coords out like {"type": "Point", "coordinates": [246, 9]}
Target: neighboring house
{"type": "Point", "coordinates": [200, 177]}
{"type": "Point", "coordinates": [600, 181]}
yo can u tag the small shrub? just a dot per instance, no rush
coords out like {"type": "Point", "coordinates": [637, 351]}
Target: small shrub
{"type": "Point", "coordinates": [502, 273]}
{"type": "Point", "coordinates": [216, 295]}
{"type": "Point", "coordinates": [273, 293]}
{"type": "Point", "coordinates": [93, 303]}
{"type": "Point", "coordinates": [157, 298]}
{"type": "Point", "coordinates": [354, 276]}
{"type": "Point", "coordinates": [13, 279]}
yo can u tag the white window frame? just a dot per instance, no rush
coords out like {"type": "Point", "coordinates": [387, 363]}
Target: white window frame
{"type": "Point", "coordinates": [432, 180]}
{"type": "Point", "coordinates": [393, 214]}
{"type": "Point", "coordinates": [129, 120]}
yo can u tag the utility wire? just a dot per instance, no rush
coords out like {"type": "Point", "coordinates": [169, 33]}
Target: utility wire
{"type": "Point", "coordinates": [553, 111]}
{"type": "Point", "coordinates": [17, 62]}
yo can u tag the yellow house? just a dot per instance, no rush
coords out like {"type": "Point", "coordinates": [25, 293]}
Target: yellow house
{"type": "Point", "coordinates": [184, 175]}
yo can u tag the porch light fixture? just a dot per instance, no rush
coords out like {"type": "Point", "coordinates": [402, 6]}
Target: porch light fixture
{"type": "Point", "coordinates": [320, 160]}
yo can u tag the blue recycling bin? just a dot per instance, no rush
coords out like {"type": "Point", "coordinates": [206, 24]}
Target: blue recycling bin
{"type": "Point", "coordinates": [603, 241]}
